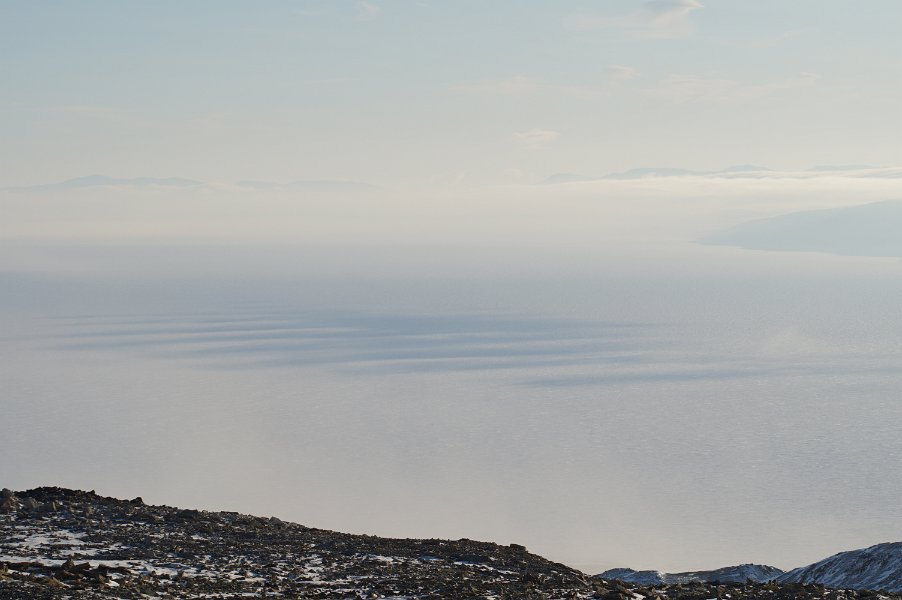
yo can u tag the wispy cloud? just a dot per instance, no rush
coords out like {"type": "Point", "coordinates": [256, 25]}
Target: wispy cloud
{"type": "Point", "coordinates": [516, 85]}
{"type": "Point", "coordinates": [776, 40]}
{"type": "Point", "coordinates": [655, 19]}
{"type": "Point", "coordinates": [536, 138]}
{"type": "Point", "coordinates": [676, 87]}
{"type": "Point", "coordinates": [803, 79]}
{"type": "Point", "coordinates": [668, 13]}
{"type": "Point", "coordinates": [309, 12]}
{"type": "Point", "coordinates": [620, 73]}
{"type": "Point", "coordinates": [367, 11]}
{"type": "Point", "coordinates": [521, 85]}
{"type": "Point", "coordinates": [693, 88]}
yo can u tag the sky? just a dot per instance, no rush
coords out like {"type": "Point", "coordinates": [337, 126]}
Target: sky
{"type": "Point", "coordinates": [433, 93]}
{"type": "Point", "coordinates": [407, 268]}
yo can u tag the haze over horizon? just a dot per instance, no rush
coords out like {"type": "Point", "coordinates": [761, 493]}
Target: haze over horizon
{"type": "Point", "coordinates": [614, 280]}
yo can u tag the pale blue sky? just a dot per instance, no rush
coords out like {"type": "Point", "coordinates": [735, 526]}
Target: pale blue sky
{"type": "Point", "coordinates": [398, 92]}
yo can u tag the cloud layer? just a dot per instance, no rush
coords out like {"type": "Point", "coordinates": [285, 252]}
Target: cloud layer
{"type": "Point", "coordinates": [655, 19]}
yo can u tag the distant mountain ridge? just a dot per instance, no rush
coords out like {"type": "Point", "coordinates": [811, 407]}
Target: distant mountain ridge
{"type": "Point", "coordinates": [655, 172]}
{"type": "Point", "coordinates": [735, 574]}
{"type": "Point", "coordinates": [865, 230]}
{"type": "Point", "coordinates": [325, 184]}
{"type": "Point", "coordinates": [877, 567]}
{"type": "Point", "coordinates": [733, 172]}
{"type": "Point", "coordinates": [102, 180]}
{"type": "Point", "coordinates": [99, 181]}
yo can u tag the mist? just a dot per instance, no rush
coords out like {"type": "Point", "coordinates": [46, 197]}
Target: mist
{"type": "Point", "coordinates": [562, 366]}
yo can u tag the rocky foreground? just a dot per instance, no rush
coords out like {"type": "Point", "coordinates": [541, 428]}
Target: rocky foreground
{"type": "Point", "coordinates": [58, 543]}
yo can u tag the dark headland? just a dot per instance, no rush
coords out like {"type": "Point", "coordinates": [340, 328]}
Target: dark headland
{"type": "Point", "coordinates": [60, 543]}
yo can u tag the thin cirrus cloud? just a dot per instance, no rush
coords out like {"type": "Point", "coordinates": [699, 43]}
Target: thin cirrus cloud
{"type": "Point", "coordinates": [692, 88]}
{"type": "Point", "coordinates": [620, 73]}
{"type": "Point", "coordinates": [655, 19]}
{"type": "Point", "coordinates": [536, 138]}
{"type": "Point", "coordinates": [516, 85]}
{"type": "Point", "coordinates": [367, 11]}
{"type": "Point", "coordinates": [781, 38]}
{"type": "Point", "coordinates": [522, 85]}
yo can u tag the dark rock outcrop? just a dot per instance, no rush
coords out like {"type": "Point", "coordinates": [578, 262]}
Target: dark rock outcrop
{"type": "Point", "coordinates": [60, 543]}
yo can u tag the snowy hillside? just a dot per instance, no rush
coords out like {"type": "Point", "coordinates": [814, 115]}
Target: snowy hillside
{"type": "Point", "coordinates": [631, 576]}
{"type": "Point", "coordinates": [877, 568]}
{"type": "Point", "coordinates": [737, 574]}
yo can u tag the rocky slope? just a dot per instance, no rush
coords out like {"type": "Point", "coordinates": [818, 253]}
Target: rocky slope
{"type": "Point", "coordinates": [877, 567]}
{"type": "Point", "coordinates": [58, 543]}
